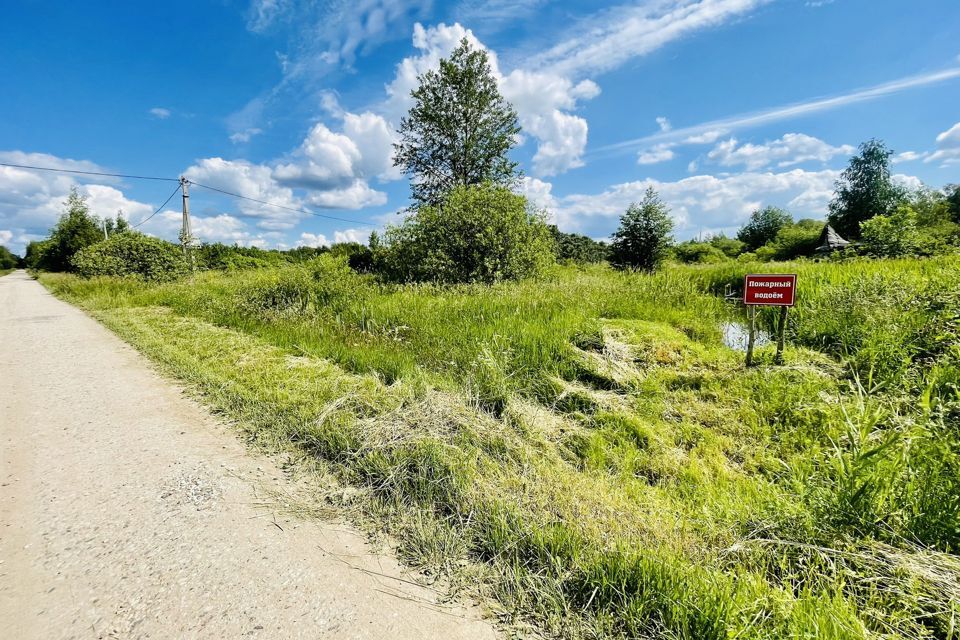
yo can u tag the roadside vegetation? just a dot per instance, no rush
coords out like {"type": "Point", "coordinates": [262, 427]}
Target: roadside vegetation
{"type": "Point", "coordinates": [591, 443]}
{"type": "Point", "coordinates": [558, 421]}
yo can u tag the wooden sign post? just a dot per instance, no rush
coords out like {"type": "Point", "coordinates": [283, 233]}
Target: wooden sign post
{"type": "Point", "coordinates": [769, 290]}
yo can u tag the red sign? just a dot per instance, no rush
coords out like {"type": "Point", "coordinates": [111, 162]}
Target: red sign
{"type": "Point", "coordinates": [777, 290]}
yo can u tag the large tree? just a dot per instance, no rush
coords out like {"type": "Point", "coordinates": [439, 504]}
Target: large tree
{"type": "Point", "coordinates": [644, 238]}
{"type": "Point", "coordinates": [459, 130]}
{"type": "Point", "coordinates": [865, 189]}
{"type": "Point", "coordinates": [763, 226]}
{"type": "Point", "coordinates": [75, 230]}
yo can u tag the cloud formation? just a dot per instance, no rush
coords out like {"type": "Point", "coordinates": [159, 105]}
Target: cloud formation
{"type": "Point", "coordinates": [791, 149]}
{"type": "Point", "coordinates": [777, 114]}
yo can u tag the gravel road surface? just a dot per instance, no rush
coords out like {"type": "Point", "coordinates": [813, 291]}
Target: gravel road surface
{"type": "Point", "coordinates": [128, 511]}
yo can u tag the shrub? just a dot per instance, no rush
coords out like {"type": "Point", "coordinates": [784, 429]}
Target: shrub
{"type": "Point", "coordinates": [893, 235]}
{"type": "Point", "coordinates": [132, 254]}
{"type": "Point", "coordinates": [575, 247]}
{"type": "Point", "coordinates": [481, 233]}
{"type": "Point", "coordinates": [798, 240]}
{"type": "Point", "coordinates": [698, 252]}
{"type": "Point", "coordinates": [322, 285]}
{"type": "Point", "coordinates": [7, 259]}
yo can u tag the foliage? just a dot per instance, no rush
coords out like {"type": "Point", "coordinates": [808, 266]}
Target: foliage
{"type": "Point", "coordinates": [33, 254]}
{"type": "Point", "coordinates": [575, 247]}
{"type": "Point", "coordinates": [693, 252]}
{"type": "Point", "coordinates": [76, 230]}
{"type": "Point", "coordinates": [952, 194]}
{"type": "Point", "coordinates": [731, 247]}
{"type": "Point", "coordinates": [864, 189]}
{"type": "Point", "coordinates": [643, 239]}
{"type": "Point", "coordinates": [232, 257]}
{"type": "Point", "coordinates": [795, 240]}
{"type": "Point", "coordinates": [459, 130]}
{"type": "Point", "coordinates": [7, 259]}
{"type": "Point", "coordinates": [891, 236]}
{"type": "Point", "coordinates": [482, 233]}
{"type": "Point", "coordinates": [132, 254]}
{"type": "Point", "coordinates": [359, 257]}
{"type": "Point", "coordinates": [763, 226]}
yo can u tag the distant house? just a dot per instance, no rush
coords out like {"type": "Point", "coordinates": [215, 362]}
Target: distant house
{"type": "Point", "coordinates": [830, 241]}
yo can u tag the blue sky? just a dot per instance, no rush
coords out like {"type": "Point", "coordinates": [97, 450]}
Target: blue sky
{"type": "Point", "coordinates": [721, 105]}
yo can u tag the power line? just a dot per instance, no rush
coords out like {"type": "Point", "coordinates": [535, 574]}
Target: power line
{"type": "Point", "coordinates": [282, 206]}
{"type": "Point", "coordinates": [87, 173]}
{"type": "Point", "coordinates": [203, 186]}
{"type": "Point", "coordinates": [158, 209]}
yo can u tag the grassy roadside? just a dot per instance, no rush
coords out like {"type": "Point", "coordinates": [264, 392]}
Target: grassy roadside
{"type": "Point", "coordinates": [590, 446]}
{"type": "Point", "coordinates": [4, 272]}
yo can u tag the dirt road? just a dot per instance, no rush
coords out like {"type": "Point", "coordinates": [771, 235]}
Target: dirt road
{"type": "Point", "coordinates": [127, 511]}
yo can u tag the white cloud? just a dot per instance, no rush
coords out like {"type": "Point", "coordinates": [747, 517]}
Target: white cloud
{"type": "Point", "coordinates": [5, 236]}
{"type": "Point", "coordinates": [538, 193]}
{"type": "Point", "coordinates": [656, 154]}
{"type": "Point", "coordinates": [707, 137]}
{"type": "Point", "coordinates": [795, 110]}
{"type": "Point", "coordinates": [336, 167]}
{"type": "Point", "coordinates": [320, 240]}
{"type": "Point", "coordinates": [911, 183]}
{"type": "Point", "coordinates": [351, 235]}
{"type": "Point", "coordinates": [705, 201]}
{"type": "Point", "coordinates": [948, 147]}
{"type": "Point", "coordinates": [32, 201]}
{"type": "Point", "coordinates": [312, 240]}
{"type": "Point", "coordinates": [245, 135]}
{"type": "Point", "coordinates": [791, 149]}
{"type": "Point", "coordinates": [356, 195]}
{"type": "Point", "coordinates": [614, 36]}
{"type": "Point", "coordinates": [909, 156]}
{"type": "Point", "coordinates": [160, 113]}
{"type": "Point", "coordinates": [251, 181]}
{"type": "Point", "coordinates": [664, 123]}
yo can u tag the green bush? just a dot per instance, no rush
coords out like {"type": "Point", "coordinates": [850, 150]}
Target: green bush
{"type": "Point", "coordinates": [482, 233]}
{"type": "Point", "coordinates": [578, 248]}
{"type": "Point", "coordinates": [798, 240]}
{"type": "Point", "coordinates": [693, 252]}
{"type": "Point", "coordinates": [322, 285]}
{"type": "Point", "coordinates": [891, 236]}
{"type": "Point", "coordinates": [132, 254]}
{"type": "Point", "coordinates": [7, 259]}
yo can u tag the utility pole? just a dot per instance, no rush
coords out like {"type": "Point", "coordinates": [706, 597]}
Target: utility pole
{"type": "Point", "coordinates": [186, 235]}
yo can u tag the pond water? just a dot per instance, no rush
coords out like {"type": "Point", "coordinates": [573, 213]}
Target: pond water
{"type": "Point", "coordinates": [736, 335]}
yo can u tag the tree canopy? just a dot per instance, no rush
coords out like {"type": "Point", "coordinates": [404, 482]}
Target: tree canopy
{"type": "Point", "coordinates": [459, 130]}
{"type": "Point", "coordinates": [644, 238]}
{"type": "Point", "coordinates": [75, 230]}
{"type": "Point", "coordinates": [864, 189]}
{"type": "Point", "coordinates": [763, 226]}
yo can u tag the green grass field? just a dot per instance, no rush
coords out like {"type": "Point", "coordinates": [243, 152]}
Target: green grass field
{"type": "Point", "coordinates": [587, 449]}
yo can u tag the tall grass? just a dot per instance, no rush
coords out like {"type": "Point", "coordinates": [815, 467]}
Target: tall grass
{"type": "Point", "coordinates": [587, 441]}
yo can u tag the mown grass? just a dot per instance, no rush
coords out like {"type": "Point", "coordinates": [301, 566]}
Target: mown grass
{"type": "Point", "coordinates": [4, 272]}
{"type": "Point", "coordinates": [588, 444]}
